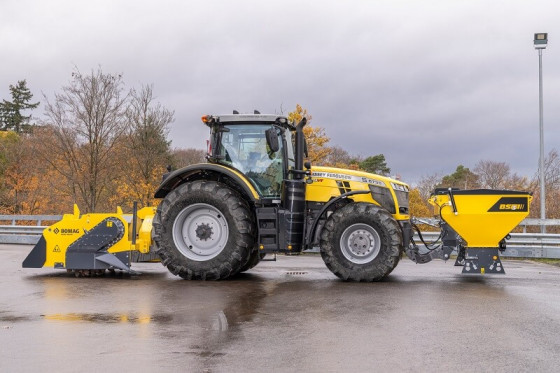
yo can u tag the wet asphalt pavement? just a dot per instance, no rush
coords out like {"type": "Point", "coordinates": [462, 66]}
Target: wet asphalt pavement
{"type": "Point", "coordinates": [288, 315]}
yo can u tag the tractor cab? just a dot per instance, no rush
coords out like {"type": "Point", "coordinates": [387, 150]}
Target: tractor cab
{"type": "Point", "coordinates": [258, 146]}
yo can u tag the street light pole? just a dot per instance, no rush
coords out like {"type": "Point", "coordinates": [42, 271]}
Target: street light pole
{"type": "Point", "coordinates": [540, 43]}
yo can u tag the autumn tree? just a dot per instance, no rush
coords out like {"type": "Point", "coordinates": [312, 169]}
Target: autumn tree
{"type": "Point", "coordinates": [298, 114]}
{"type": "Point", "coordinates": [9, 142]}
{"type": "Point", "coordinates": [87, 120]}
{"type": "Point", "coordinates": [14, 175]}
{"type": "Point", "coordinates": [552, 170]}
{"type": "Point", "coordinates": [418, 205]}
{"type": "Point", "coordinates": [11, 112]}
{"type": "Point", "coordinates": [186, 157]}
{"type": "Point", "coordinates": [428, 184]}
{"type": "Point", "coordinates": [315, 137]}
{"type": "Point", "coordinates": [498, 175]}
{"type": "Point", "coordinates": [492, 175]}
{"type": "Point", "coordinates": [22, 176]}
{"type": "Point", "coordinates": [146, 148]}
{"type": "Point", "coordinates": [552, 188]}
{"type": "Point", "coordinates": [339, 157]}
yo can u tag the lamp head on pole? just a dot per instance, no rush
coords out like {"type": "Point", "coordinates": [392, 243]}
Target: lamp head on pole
{"type": "Point", "coordinates": [541, 39]}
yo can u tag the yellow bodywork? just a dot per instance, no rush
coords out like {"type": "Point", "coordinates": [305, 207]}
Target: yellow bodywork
{"type": "Point", "coordinates": [329, 183]}
{"type": "Point", "coordinates": [483, 217]}
{"type": "Point", "coordinates": [62, 234]}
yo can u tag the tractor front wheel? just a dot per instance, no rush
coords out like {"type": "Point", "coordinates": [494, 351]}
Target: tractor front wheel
{"type": "Point", "coordinates": [361, 242]}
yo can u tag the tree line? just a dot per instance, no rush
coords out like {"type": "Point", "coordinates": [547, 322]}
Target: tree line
{"type": "Point", "coordinates": [100, 145]}
{"type": "Point", "coordinates": [486, 174]}
{"type": "Point", "coordinates": [103, 145]}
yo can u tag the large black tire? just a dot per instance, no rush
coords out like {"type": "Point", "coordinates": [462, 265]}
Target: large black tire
{"type": "Point", "coordinates": [203, 230]}
{"type": "Point", "coordinates": [361, 242]}
{"type": "Point", "coordinates": [255, 259]}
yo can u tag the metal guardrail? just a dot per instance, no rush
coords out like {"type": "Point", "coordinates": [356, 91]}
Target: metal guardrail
{"type": "Point", "coordinates": [520, 245]}
{"type": "Point", "coordinates": [538, 223]}
{"type": "Point", "coordinates": [24, 234]}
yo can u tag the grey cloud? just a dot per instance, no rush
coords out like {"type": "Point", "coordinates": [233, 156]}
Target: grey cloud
{"type": "Point", "coordinates": [430, 84]}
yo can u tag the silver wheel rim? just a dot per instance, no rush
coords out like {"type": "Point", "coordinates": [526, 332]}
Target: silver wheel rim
{"type": "Point", "coordinates": [200, 232]}
{"type": "Point", "coordinates": [360, 243]}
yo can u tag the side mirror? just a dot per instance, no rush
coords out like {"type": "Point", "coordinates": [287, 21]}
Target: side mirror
{"type": "Point", "coordinates": [272, 139]}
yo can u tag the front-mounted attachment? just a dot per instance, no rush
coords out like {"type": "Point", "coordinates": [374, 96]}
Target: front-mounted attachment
{"type": "Point", "coordinates": [480, 218]}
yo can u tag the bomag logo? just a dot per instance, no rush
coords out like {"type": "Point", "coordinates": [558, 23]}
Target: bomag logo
{"type": "Point", "coordinates": [67, 231]}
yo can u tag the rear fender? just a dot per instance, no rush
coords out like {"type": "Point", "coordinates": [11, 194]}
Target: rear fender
{"type": "Point", "coordinates": [208, 171]}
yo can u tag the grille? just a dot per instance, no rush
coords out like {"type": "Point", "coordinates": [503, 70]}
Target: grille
{"type": "Point", "coordinates": [384, 197]}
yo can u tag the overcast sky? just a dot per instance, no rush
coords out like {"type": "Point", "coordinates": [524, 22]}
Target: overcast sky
{"type": "Point", "coordinates": [430, 84]}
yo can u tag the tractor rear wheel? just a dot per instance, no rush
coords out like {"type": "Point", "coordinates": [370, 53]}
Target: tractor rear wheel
{"type": "Point", "coordinates": [361, 242]}
{"type": "Point", "coordinates": [204, 230]}
{"type": "Point", "coordinates": [255, 259]}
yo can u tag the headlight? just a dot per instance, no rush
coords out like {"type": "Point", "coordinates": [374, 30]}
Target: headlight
{"type": "Point", "coordinates": [399, 187]}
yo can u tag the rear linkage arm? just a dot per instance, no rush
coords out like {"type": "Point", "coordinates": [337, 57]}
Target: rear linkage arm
{"type": "Point", "coordinates": [441, 248]}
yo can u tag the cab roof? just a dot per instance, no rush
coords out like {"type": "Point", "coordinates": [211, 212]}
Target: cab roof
{"type": "Point", "coordinates": [209, 120]}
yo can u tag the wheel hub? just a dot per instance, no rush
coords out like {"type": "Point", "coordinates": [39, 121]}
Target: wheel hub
{"type": "Point", "coordinates": [204, 232]}
{"type": "Point", "coordinates": [360, 243]}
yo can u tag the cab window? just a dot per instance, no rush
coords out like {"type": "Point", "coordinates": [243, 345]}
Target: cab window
{"type": "Point", "coordinates": [244, 147]}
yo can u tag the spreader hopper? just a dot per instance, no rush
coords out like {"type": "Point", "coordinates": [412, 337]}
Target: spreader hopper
{"type": "Point", "coordinates": [482, 217]}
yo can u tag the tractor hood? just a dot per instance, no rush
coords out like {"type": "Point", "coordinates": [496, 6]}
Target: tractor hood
{"type": "Point", "coordinates": [342, 174]}
{"type": "Point", "coordinates": [329, 183]}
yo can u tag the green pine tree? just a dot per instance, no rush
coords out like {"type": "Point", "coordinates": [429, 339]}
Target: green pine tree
{"type": "Point", "coordinates": [375, 164]}
{"type": "Point", "coordinates": [11, 117]}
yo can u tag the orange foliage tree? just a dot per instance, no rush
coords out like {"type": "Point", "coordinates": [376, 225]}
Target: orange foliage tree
{"type": "Point", "coordinates": [315, 137]}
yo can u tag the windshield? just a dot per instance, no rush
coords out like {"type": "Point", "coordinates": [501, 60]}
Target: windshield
{"type": "Point", "coordinates": [244, 147]}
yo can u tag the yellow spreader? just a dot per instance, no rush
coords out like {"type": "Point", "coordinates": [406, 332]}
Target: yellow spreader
{"type": "Point", "coordinates": [482, 218]}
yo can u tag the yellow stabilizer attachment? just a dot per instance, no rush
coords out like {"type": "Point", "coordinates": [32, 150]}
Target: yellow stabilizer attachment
{"type": "Point", "coordinates": [144, 240]}
{"type": "Point", "coordinates": [482, 217]}
{"type": "Point", "coordinates": [52, 248]}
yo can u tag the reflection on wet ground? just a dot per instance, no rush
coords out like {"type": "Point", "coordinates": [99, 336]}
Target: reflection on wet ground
{"type": "Point", "coordinates": [108, 318]}
{"type": "Point", "coordinates": [284, 316]}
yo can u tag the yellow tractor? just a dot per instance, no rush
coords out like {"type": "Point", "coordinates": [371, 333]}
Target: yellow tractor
{"type": "Point", "coordinates": [257, 196]}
